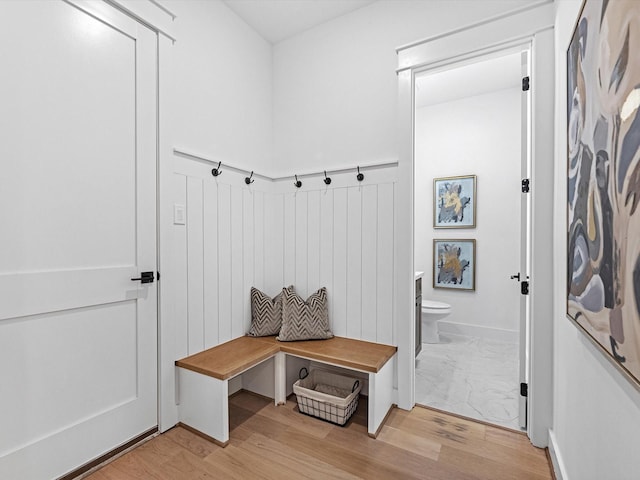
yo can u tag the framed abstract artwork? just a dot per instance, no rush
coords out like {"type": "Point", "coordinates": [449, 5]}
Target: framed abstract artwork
{"type": "Point", "coordinates": [454, 202]}
{"type": "Point", "coordinates": [454, 264]}
{"type": "Point", "coordinates": [603, 180]}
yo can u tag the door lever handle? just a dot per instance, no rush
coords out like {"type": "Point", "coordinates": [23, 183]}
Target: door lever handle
{"type": "Point", "coordinates": [516, 277]}
{"type": "Point", "coordinates": [145, 277]}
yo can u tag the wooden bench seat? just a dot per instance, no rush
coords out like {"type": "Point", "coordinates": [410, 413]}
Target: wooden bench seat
{"type": "Point", "coordinates": [340, 351]}
{"type": "Point", "coordinates": [203, 378]}
{"type": "Point", "coordinates": [229, 359]}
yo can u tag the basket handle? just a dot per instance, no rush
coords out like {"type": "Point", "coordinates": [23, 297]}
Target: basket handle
{"type": "Point", "coordinates": [355, 386]}
{"type": "Point", "coordinates": [304, 373]}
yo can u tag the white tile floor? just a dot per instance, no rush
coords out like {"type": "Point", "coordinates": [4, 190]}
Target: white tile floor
{"type": "Point", "coordinates": [474, 377]}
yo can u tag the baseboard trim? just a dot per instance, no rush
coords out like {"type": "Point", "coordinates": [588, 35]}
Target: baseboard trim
{"type": "Point", "coordinates": [490, 333]}
{"type": "Point", "coordinates": [384, 420]}
{"type": "Point", "coordinates": [559, 469]}
{"type": "Point", "coordinates": [197, 432]}
{"type": "Point", "coordinates": [109, 456]}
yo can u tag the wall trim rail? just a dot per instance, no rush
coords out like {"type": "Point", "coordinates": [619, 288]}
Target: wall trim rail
{"type": "Point", "coordinates": [320, 173]}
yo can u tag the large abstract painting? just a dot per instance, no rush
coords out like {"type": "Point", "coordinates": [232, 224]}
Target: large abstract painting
{"type": "Point", "coordinates": [603, 218]}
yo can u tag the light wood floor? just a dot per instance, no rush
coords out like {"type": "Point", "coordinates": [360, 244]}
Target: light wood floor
{"type": "Point", "coordinates": [280, 443]}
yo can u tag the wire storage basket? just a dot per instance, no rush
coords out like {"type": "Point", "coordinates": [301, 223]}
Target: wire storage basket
{"type": "Point", "coordinates": [327, 395]}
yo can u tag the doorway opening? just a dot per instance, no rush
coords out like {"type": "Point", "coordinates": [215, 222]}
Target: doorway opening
{"type": "Point", "coordinates": [471, 228]}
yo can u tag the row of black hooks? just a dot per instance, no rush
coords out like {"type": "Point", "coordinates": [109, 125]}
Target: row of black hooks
{"type": "Point", "coordinates": [217, 171]}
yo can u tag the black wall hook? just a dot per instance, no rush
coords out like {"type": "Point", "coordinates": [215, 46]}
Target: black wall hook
{"type": "Point", "coordinates": [360, 176]}
{"type": "Point", "coordinates": [327, 180]}
{"type": "Point", "coordinates": [248, 180]}
{"type": "Point", "coordinates": [297, 183]}
{"type": "Point", "coordinates": [216, 171]}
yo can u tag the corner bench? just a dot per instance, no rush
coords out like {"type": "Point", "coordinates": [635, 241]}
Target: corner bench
{"type": "Point", "coordinates": [203, 378]}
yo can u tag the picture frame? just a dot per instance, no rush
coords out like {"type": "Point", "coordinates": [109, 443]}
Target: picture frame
{"type": "Point", "coordinates": [603, 189]}
{"type": "Point", "coordinates": [454, 264]}
{"type": "Point", "coordinates": [454, 202]}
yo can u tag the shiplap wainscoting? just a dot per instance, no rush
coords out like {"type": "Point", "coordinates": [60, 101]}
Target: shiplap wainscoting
{"type": "Point", "coordinates": [267, 235]}
{"type": "Point", "coordinates": [339, 238]}
{"type": "Point", "coordinates": [219, 255]}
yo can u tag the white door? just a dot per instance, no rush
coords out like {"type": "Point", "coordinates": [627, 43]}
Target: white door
{"type": "Point", "coordinates": [525, 239]}
{"type": "Point", "coordinates": [78, 337]}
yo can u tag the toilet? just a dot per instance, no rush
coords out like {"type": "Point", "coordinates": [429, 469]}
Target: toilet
{"type": "Point", "coordinates": [433, 311]}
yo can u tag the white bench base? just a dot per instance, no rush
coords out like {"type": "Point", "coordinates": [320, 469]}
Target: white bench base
{"type": "Point", "coordinates": [203, 403]}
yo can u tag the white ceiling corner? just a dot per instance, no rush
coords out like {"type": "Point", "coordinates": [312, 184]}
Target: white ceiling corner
{"type": "Point", "coordinates": [277, 20]}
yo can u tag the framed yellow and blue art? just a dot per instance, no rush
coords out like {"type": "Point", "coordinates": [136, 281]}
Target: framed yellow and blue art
{"type": "Point", "coordinates": [454, 202]}
{"type": "Point", "coordinates": [454, 264]}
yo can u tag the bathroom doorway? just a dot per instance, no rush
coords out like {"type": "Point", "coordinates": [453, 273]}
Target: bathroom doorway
{"type": "Point", "coordinates": [472, 122]}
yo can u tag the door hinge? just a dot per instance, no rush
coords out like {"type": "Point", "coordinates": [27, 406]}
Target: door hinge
{"type": "Point", "coordinates": [524, 288]}
{"type": "Point", "coordinates": [526, 185]}
{"type": "Point", "coordinates": [524, 390]}
{"type": "Point", "coordinates": [158, 276]}
{"type": "Point", "coordinates": [525, 84]}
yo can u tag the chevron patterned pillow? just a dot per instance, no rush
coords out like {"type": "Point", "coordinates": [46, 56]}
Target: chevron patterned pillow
{"type": "Point", "coordinates": [304, 320]}
{"type": "Point", "coordinates": [266, 313]}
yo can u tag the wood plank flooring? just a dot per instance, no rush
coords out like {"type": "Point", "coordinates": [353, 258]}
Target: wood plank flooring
{"type": "Point", "coordinates": [269, 442]}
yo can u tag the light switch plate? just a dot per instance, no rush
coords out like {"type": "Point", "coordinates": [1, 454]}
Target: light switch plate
{"type": "Point", "coordinates": [179, 214]}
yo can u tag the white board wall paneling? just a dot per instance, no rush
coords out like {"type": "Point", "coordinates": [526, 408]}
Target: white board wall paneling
{"type": "Point", "coordinates": [397, 240]}
{"type": "Point", "coordinates": [179, 271]}
{"type": "Point", "coordinates": [259, 239]}
{"type": "Point", "coordinates": [289, 239]}
{"type": "Point", "coordinates": [339, 293]}
{"type": "Point", "coordinates": [237, 265]}
{"type": "Point", "coordinates": [313, 242]}
{"type": "Point", "coordinates": [300, 242]}
{"type": "Point", "coordinates": [224, 253]}
{"type": "Point", "coordinates": [248, 255]}
{"type": "Point", "coordinates": [274, 243]}
{"type": "Point", "coordinates": [211, 285]}
{"type": "Point", "coordinates": [224, 263]}
{"type": "Point", "coordinates": [237, 237]}
{"type": "Point", "coordinates": [369, 259]}
{"type": "Point", "coordinates": [384, 274]}
{"type": "Point", "coordinates": [195, 265]}
{"type": "Point", "coordinates": [354, 262]}
{"type": "Point", "coordinates": [326, 247]}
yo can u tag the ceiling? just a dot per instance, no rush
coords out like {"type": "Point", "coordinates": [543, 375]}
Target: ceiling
{"type": "Point", "coordinates": [487, 75]}
{"type": "Point", "coordinates": [277, 20]}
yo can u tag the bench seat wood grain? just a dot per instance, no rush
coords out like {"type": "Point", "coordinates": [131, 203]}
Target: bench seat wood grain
{"type": "Point", "coordinates": [229, 359]}
{"type": "Point", "coordinates": [341, 351]}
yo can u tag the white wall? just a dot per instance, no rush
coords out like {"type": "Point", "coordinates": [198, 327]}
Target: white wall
{"type": "Point", "coordinates": [335, 86]}
{"type": "Point", "coordinates": [480, 136]}
{"type": "Point", "coordinates": [596, 410]}
{"type": "Point", "coordinates": [222, 85]}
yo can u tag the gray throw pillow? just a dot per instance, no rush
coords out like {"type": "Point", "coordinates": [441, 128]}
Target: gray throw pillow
{"type": "Point", "coordinates": [266, 313]}
{"type": "Point", "coordinates": [304, 320]}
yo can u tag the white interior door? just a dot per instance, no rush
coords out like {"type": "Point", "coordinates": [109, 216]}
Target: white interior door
{"type": "Point", "coordinates": [525, 240]}
{"type": "Point", "coordinates": [78, 337]}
